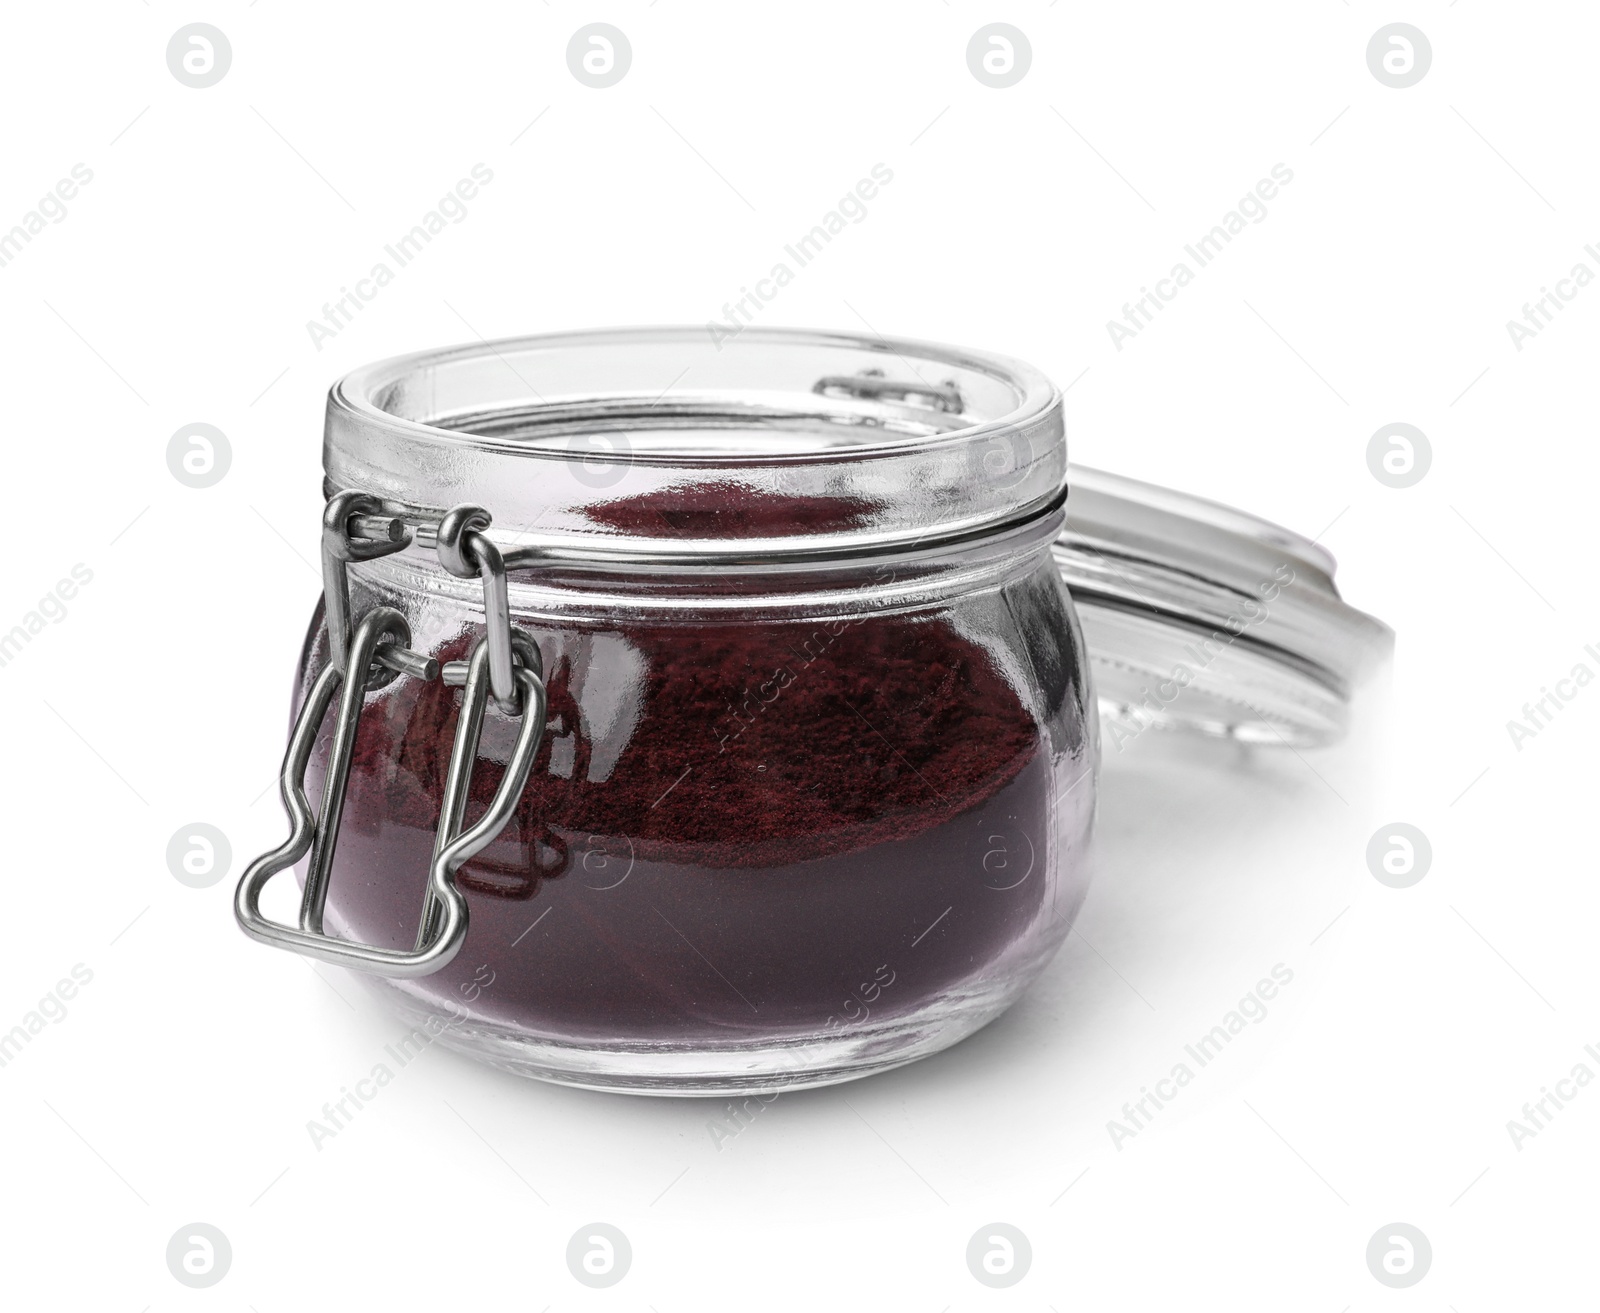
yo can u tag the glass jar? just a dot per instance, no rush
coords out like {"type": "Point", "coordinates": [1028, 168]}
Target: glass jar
{"type": "Point", "coordinates": [773, 758]}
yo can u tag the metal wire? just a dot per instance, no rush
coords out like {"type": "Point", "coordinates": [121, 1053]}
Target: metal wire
{"type": "Point", "coordinates": [465, 551]}
{"type": "Point", "coordinates": [339, 548]}
{"type": "Point", "coordinates": [505, 665]}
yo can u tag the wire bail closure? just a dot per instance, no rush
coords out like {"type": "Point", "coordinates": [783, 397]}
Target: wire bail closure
{"type": "Point", "coordinates": [504, 664]}
{"type": "Point", "coordinates": [465, 551]}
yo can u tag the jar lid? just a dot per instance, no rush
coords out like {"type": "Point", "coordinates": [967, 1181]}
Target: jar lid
{"type": "Point", "coordinates": [1200, 617]}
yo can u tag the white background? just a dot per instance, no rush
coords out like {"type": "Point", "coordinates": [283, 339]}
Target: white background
{"type": "Point", "coordinates": [177, 289]}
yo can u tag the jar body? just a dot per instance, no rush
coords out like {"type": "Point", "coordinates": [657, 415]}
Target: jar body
{"type": "Point", "coordinates": [779, 832]}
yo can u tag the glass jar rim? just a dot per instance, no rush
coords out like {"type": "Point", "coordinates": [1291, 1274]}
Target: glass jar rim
{"type": "Point", "coordinates": [789, 442]}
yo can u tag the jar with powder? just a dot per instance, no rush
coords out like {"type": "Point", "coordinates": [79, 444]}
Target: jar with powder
{"type": "Point", "coordinates": [716, 718]}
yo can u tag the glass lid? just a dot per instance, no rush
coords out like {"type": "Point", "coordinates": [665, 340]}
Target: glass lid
{"type": "Point", "coordinates": [1200, 617]}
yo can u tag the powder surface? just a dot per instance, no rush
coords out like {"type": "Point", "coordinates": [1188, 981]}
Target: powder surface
{"type": "Point", "coordinates": [731, 510]}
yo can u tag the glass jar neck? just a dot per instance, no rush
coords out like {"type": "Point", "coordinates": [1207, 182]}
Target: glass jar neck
{"type": "Point", "coordinates": [663, 445]}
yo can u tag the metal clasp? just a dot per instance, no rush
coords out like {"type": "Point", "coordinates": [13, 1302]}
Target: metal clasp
{"type": "Point", "coordinates": [358, 663]}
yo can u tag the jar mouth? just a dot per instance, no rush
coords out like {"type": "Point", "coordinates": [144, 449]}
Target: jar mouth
{"type": "Point", "coordinates": [670, 441]}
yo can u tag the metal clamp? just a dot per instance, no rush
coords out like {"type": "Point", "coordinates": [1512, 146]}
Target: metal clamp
{"type": "Point", "coordinates": [358, 663]}
{"type": "Point", "coordinates": [339, 547]}
{"type": "Point", "coordinates": [465, 551]}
